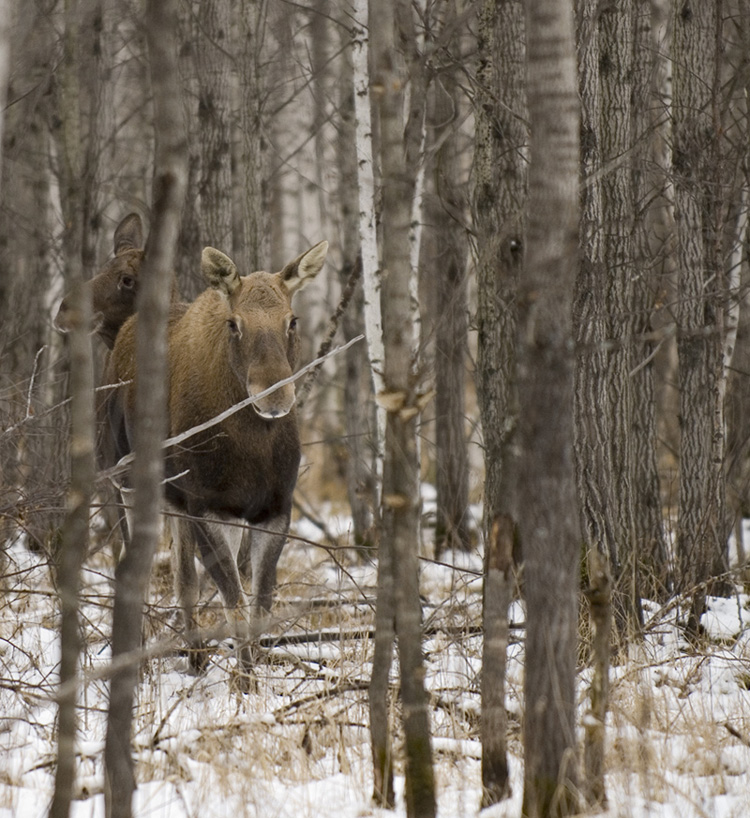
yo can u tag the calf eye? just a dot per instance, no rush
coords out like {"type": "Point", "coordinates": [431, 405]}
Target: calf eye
{"type": "Point", "coordinates": [127, 282]}
{"type": "Point", "coordinates": [293, 324]}
{"type": "Point", "coordinates": [234, 327]}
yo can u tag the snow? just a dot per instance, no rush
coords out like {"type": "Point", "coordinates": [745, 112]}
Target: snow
{"type": "Point", "coordinates": [678, 726]}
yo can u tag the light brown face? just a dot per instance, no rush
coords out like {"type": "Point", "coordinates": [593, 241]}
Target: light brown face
{"type": "Point", "coordinates": [262, 340]}
{"type": "Point", "coordinates": [259, 322]}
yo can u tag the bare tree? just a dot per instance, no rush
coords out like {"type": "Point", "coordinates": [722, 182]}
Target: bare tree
{"type": "Point", "coordinates": [153, 302]}
{"type": "Point", "coordinates": [401, 499]}
{"type": "Point", "coordinates": [499, 202]}
{"type": "Point", "coordinates": [546, 483]}
{"type": "Point", "coordinates": [77, 178]}
{"type": "Point", "coordinates": [251, 32]}
{"type": "Point", "coordinates": [448, 224]}
{"type": "Point", "coordinates": [357, 379]}
{"type": "Point", "coordinates": [214, 116]}
{"type": "Point", "coordinates": [701, 525]}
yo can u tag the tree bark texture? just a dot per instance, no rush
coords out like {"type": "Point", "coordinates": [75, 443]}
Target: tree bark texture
{"type": "Point", "coordinates": [214, 120]}
{"type": "Point", "coordinates": [254, 241]}
{"type": "Point", "coordinates": [359, 418]}
{"type": "Point", "coordinates": [75, 178]}
{"type": "Point", "coordinates": [451, 329]}
{"type": "Point", "coordinates": [499, 202]}
{"type": "Point", "coordinates": [605, 301]}
{"type": "Point", "coordinates": [599, 598]}
{"type": "Point", "coordinates": [547, 504]}
{"type": "Point", "coordinates": [652, 559]}
{"type": "Point", "coordinates": [132, 575]}
{"type": "Point", "coordinates": [496, 597]}
{"type": "Point", "coordinates": [401, 500]}
{"type": "Point", "coordinates": [701, 525]}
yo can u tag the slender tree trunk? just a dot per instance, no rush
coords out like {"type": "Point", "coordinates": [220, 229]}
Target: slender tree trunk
{"type": "Point", "coordinates": [357, 383]}
{"type": "Point", "coordinates": [371, 279]}
{"type": "Point", "coordinates": [499, 201]}
{"type": "Point", "coordinates": [649, 540]}
{"type": "Point", "coordinates": [451, 453]}
{"type": "Point", "coordinates": [401, 473]}
{"type": "Point", "coordinates": [251, 33]}
{"type": "Point", "coordinates": [701, 523]}
{"type": "Point", "coordinates": [599, 597]}
{"type": "Point", "coordinates": [547, 502]}
{"type": "Point", "coordinates": [74, 539]}
{"type": "Point", "coordinates": [214, 119]}
{"type": "Point", "coordinates": [151, 425]}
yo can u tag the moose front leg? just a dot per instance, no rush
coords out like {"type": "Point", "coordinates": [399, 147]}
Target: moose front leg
{"type": "Point", "coordinates": [268, 540]}
{"type": "Point", "coordinates": [219, 560]}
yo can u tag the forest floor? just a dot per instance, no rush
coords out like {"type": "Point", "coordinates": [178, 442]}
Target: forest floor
{"type": "Point", "coordinates": [679, 724]}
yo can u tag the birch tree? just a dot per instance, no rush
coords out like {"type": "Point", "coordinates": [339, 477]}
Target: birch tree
{"type": "Point", "coordinates": [547, 517]}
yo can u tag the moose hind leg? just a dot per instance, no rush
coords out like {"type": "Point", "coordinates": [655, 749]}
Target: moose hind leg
{"type": "Point", "coordinates": [267, 543]}
{"type": "Point", "coordinates": [220, 562]}
{"type": "Point", "coordinates": [187, 591]}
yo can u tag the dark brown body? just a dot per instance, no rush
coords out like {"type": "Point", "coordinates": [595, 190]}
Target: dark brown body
{"type": "Point", "coordinates": [235, 340]}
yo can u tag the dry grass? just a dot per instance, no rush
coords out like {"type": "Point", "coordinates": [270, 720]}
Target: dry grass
{"type": "Point", "coordinates": [679, 723]}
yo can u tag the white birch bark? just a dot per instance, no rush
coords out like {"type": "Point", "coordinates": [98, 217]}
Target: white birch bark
{"type": "Point", "coordinates": [367, 228]}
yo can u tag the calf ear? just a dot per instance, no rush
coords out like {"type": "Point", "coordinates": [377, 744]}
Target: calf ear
{"type": "Point", "coordinates": [305, 267]}
{"type": "Point", "coordinates": [219, 270]}
{"type": "Point", "coordinates": [129, 234]}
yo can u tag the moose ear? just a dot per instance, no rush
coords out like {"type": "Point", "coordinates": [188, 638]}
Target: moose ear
{"type": "Point", "coordinates": [305, 267]}
{"type": "Point", "coordinates": [129, 234]}
{"type": "Point", "coordinates": [219, 270]}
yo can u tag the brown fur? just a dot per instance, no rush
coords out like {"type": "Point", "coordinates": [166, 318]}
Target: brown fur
{"type": "Point", "coordinates": [115, 287]}
{"type": "Point", "coordinates": [235, 340]}
{"type": "Point", "coordinates": [114, 291]}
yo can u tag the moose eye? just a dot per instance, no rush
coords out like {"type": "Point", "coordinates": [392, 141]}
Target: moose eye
{"type": "Point", "coordinates": [127, 282]}
{"type": "Point", "coordinates": [293, 324]}
{"type": "Point", "coordinates": [234, 327]}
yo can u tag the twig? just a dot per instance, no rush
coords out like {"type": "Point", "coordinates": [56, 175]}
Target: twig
{"type": "Point", "coordinates": [214, 421]}
{"type": "Point", "coordinates": [333, 324]}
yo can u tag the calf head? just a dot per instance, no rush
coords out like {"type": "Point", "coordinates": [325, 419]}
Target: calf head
{"type": "Point", "coordinates": [260, 328]}
{"type": "Point", "coordinates": [114, 288]}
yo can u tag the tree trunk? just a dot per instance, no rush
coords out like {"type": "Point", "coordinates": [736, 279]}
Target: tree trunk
{"type": "Point", "coordinates": [215, 128]}
{"type": "Point", "coordinates": [371, 279]}
{"type": "Point", "coordinates": [701, 524]}
{"type": "Point", "coordinates": [499, 201]}
{"type": "Point", "coordinates": [76, 177]}
{"type": "Point", "coordinates": [357, 382]}
{"type": "Point", "coordinates": [547, 503]}
{"type": "Point", "coordinates": [132, 575]}
{"type": "Point", "coordinates": [652, 558]}
{"type": "Point", "coordinates": [401, 504]}
{"type": "Point", "coordinates": [451, 453]}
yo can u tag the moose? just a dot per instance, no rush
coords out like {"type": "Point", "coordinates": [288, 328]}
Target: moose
{"type": "Point", "coordinates": [236, 340]}
{"type": "Point", "coordinates": [115, 287]}
{"type": "Point", "coordinates": [113, 291]}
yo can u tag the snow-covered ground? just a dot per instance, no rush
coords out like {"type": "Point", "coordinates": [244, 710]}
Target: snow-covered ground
{"type": "Point", "coordinates": [679, 726]}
